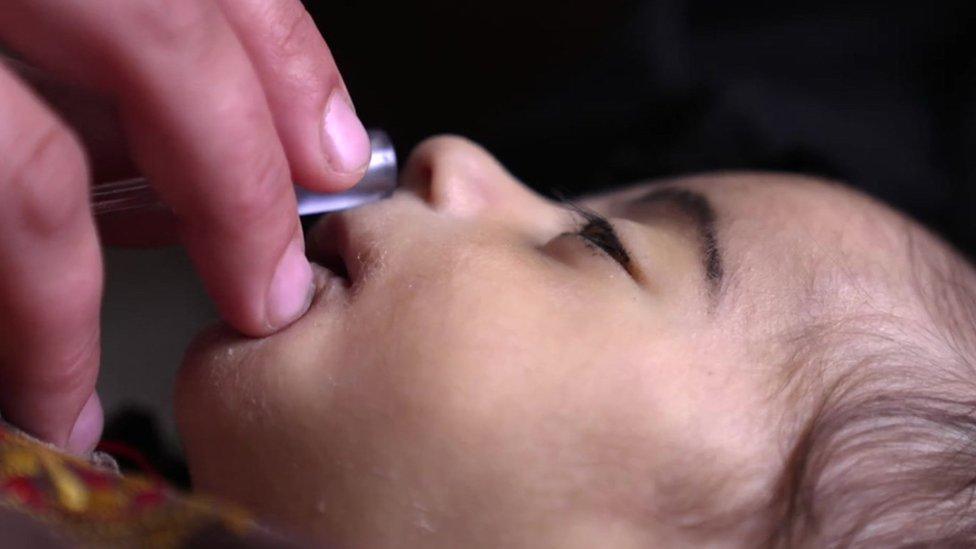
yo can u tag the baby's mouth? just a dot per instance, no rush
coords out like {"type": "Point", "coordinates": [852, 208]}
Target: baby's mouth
{"type": "Point", "coordinates": [323, 254]}
{"type": "Point", "coordinates": [328, 245]}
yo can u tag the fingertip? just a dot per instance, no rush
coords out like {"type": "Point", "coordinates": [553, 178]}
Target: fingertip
{"type": "Point", "coordinates": [87, 429]}
{"type": "Point", "coordinates": [345, 142]}
{"type": "Point", "coordinates": [292, 288]}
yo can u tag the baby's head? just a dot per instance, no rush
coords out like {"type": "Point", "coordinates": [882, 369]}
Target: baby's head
{"type": "Point", "coordinates": [732, 359]}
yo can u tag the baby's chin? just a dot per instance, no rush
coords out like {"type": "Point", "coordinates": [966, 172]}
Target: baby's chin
{"type": "Point", "coordinates": [228, 381]}
{"type": "Point", "coordinates": [220, 347]}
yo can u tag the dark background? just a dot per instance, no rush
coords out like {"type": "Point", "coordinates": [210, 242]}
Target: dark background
{"type": "Point", "coordinates": [580, 96]}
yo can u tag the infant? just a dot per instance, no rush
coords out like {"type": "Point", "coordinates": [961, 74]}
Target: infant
{"type": "Point", "coordinates": [735, 359]}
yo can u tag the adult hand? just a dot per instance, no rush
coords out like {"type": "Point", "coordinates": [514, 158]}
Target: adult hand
{"type": "Point", "coordinates": [223, 103]}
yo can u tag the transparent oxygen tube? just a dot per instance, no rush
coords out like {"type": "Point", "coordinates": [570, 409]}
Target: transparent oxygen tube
{"type": "Point", "coordinates": [379, 182]}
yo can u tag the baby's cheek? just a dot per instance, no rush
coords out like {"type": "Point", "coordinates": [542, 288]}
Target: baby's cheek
{"type": "Point", "coordinates": [234, 404]}
{"type": "Point", "coordinates": [216, 376]}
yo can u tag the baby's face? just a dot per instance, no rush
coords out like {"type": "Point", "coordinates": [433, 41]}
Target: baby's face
{"type": "Point", "coordinates": [480, 375]}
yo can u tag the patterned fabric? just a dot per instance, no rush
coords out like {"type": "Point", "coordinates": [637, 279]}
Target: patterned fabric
{"type": "Point", "coordinates": [81, 504]}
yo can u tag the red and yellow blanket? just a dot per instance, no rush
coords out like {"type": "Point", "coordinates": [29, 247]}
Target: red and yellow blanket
{"type": "Point", "coordinates": [49, 499]}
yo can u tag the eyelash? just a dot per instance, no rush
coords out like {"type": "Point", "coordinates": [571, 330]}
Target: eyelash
{"type": "Point", "coordinates": [596, 231]}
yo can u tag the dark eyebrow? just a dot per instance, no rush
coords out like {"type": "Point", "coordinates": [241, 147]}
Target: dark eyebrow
{"type": "Point", "coordinates": [697, 208]}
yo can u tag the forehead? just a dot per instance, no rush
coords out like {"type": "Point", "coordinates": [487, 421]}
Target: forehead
{"type": "Point", "coordinates": [792, 244]}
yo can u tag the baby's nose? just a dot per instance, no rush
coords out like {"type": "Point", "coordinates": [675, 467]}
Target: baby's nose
{"type": "Point", "coordinates": [459, 178]}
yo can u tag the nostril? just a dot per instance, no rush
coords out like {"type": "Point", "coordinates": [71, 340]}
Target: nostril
{"type": "Point", "coordinates": [417, 179]}
{"type": "Point", "coordinates": [425, 192]}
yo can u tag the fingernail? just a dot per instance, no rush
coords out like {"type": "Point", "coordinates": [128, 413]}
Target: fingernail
{"type": "Point", "coordinates": [344, 139]}
{"type": "Point", "coordinates": [291, 289]}
{"type": "Point", "coordinates": [87, 428]}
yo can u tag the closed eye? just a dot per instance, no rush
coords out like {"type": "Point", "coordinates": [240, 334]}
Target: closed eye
{"type": "Point", "coordinates": [600, 233]}
{"type": "Point", "coordinates": [597, 232]}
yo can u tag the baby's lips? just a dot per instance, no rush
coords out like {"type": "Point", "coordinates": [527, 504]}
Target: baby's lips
{"type": "Point", "coordinates": [331, 290]}
{"type": "Point", "coordinates": [328, 245]}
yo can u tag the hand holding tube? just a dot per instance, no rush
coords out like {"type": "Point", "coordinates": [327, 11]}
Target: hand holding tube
{"type": "Point", "coordinates": [223, 104]}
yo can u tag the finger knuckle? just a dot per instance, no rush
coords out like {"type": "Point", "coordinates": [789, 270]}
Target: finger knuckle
{"type": "Point", "coordinates": [261, 195]}
{"type": "Point", "coordinates": [67, 302]}
{"type": "Point", "coordinates": [300, 54]}
{"type": "Point", "coordinates": [59, 367]}
{"type": "Point", "coordinates": [173, 24]}
{"type": "Point", "coordinates": [292, 29]}
{"type": "Point", "coordinates": [76, 301]}
{"type": "Point", "coordinates": [73, 366]}
{"type": "Point", "coordinates": [43, 179]}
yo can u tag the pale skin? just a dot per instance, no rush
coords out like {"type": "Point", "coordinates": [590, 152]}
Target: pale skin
{"type": "Point", "coordinates": [481, 378]}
